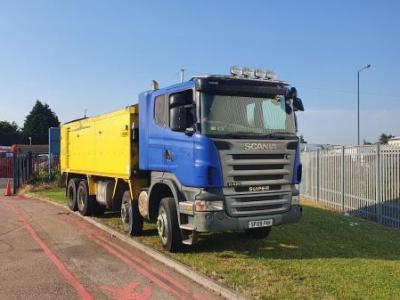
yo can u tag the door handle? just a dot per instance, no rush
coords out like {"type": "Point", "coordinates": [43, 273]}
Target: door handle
{"type": "Point", "coordinates": [169, 155]}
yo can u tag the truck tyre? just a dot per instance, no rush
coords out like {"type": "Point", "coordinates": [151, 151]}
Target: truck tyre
{"type": "Point", "coordinates": [259, 233]}
{"type": "Point", "coordinates": [72, 188]}
{"type": "Point", "coordinates": [84, 201]}
{"type": "Point", "coordinates": [130, 215]}
{"type": "Point", "coordinates": [167, 225]}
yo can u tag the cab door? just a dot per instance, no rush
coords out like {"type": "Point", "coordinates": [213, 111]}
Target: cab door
{"type": "Point", "coordinates": [157, 129]}
{"type": "Point", "coordinates": [178, 140]}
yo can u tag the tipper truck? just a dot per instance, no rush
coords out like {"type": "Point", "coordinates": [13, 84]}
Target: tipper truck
{"type": "Point", "coordinates": [215, 153]}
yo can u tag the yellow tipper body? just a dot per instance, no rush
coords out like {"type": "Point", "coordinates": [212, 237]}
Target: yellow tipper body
{"type": "Point", "coordinates": [102, 145]}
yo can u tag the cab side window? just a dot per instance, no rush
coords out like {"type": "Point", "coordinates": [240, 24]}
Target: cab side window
{"type": "Point", "coordinates": [160, 111]}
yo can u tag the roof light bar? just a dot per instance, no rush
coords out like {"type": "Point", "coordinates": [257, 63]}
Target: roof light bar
{"type": "Point", "coordinates": [253, 73]}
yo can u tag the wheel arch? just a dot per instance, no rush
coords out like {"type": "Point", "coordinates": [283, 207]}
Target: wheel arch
{"type": "Point", "coordinates": [159, 190]}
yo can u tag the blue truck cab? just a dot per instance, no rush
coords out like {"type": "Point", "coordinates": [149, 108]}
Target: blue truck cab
{"type": "Point", "coordinates": [221, 154]}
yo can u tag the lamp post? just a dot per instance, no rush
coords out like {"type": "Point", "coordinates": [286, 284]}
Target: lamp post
{"type": "Point", "coordinates": [358, 102]}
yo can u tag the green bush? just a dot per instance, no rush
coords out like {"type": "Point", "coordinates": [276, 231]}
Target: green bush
{"type": "Point", "coordinates": [41, 176]}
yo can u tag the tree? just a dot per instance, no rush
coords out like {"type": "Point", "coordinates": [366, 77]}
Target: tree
{"type": "Point", "coordinates": [302, 140]}
{"type": "Point", "coordinates": [38, 122]}
{"type": "Point", "coordinates": [8, 133]}
{"type": "Point", "coordinates": [366, 142]}
{"type": "Point", "coordinates": [384, 138]}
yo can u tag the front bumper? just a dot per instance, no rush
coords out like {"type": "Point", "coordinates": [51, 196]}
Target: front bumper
{"type": "Point", "coordinates": [220, 221]}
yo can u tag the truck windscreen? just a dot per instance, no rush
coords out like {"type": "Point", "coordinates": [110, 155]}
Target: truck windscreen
{"type": "Point", "coordinates": [246, 116]}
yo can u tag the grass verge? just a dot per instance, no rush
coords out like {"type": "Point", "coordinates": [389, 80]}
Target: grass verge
{"type": "Point", "coordinates": [327, 255]}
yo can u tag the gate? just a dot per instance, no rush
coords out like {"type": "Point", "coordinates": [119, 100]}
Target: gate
{"type": "Point", "coordinates": [23, 169]}
{"type": "Point", "coordinates": [6, 167]}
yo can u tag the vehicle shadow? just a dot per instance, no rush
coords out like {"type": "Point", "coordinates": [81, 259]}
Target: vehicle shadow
{"type": "Point", "coordinates": [114, 217]}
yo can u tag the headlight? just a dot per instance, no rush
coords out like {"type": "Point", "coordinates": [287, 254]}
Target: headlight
{"type": "Point", "coordinates": [202, 205]}
{"type": "Point", "coordinates": [296, 200]}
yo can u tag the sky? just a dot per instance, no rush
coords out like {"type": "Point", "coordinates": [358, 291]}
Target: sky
{"type": "Point", "coordinates": [99, 55]}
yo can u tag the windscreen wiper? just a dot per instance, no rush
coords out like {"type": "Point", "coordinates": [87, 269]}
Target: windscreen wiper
{"type": "Point", "coordinates": [280, 135]}
{"type": "Point", "coordinates": [243, 134]}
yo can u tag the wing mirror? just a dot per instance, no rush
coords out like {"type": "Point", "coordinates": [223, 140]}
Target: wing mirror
{"type": "Point", "coordinates": [177, 116]}
{"type": "Point", "coordinates": [297, 103]}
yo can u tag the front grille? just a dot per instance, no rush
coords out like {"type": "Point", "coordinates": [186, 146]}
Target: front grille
{"type": "Point", "coordinates": [257, 182]}
{"type": "Point", "coordinates": [258, 156]}
{"type": "Point", "coordinates": [257, 169]}
{"type": "Point", "coordinates": [251, 205]}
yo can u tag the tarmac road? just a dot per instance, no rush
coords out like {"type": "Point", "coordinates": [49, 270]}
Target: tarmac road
{"type": "Point", "coordinates": [49, 253]}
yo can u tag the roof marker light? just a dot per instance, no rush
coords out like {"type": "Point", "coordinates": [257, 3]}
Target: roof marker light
{"type": "Point", "coordinates": [237, 71]}
{"type": "Point", "coordinates": [248, 72]}
{"type": "Point", "coordinates": [260, 73]}
{"type": "Point", "coordinates": [271, 75]}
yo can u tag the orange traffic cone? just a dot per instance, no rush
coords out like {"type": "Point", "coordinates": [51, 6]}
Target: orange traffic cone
{"type": "Point", "coordinates": [8, 188]}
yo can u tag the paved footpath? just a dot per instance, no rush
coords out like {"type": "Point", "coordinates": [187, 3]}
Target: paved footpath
{"type": "Point", "coordinates": [48, 253]}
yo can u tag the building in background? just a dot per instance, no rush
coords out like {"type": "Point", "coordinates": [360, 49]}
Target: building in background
{"type": "Point", "coordinates": [394, 141]}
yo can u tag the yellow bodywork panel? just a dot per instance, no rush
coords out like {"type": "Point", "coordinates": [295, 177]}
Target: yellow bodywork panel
{"type": "Point", "coordinates": [102, 145]}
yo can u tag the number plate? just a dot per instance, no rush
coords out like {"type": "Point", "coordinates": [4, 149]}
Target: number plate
{"type": "Point", "coordinates": [260, 223]}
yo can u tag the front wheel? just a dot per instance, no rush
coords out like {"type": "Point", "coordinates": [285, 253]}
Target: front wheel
{"type": "Point", "coordinates": [131, 219]}
{"type": "Point", "coordinates": [167, 225]}
{"type": "Point", "coordinates": [259, 233]}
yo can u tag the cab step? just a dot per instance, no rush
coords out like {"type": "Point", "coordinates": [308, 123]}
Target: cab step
{"type": "Point", "coordinates": [189, 234]}
{"type": "Point", "coordinates": [187, 227]}
{"type": "Point", "coordinates": [191, 239]}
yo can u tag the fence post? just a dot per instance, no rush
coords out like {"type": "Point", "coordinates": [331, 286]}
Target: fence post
{"type": "Point", "coordinates": [378, 208]}
{"type": "Point", "coordinates": [29, 165]}
{"type": "Point", "coordinates": [318, 173]}
{"type": "Point", "coordinates": [14, 173]}
{"type": "Point", "coordinates": [343, 181]}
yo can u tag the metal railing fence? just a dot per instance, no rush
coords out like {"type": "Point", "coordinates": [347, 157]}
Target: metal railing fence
{"type": "Point", "coordinates": [363, 181]}
{"type": "Point", "coordinates": [28, 168]}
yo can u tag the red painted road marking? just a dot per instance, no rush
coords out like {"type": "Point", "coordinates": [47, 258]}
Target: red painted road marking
{"type": "Point", "coordinates": [130, 261]}
{"type": "Point", "coordinates": [128, 292]}
{"type": "Point", "coordinates": [147, 266]}
{"type": "Point", "coordinates": [73, 281]}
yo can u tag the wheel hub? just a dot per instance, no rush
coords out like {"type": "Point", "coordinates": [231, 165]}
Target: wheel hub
{"type": "Point", "coordinates": [125, 213]}
{"type": "Point", "coordinates": [80, 199]}
{"type": "Point", "coordinates": [162, 226]}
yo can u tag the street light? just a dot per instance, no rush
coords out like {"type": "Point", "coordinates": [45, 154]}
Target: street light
{"type": "Point", "coordinates": [358, 102]}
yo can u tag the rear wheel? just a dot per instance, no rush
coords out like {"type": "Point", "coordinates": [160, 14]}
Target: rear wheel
{"type": "Point", "coordinates": [84, 201]}
{"type": "Point", "coordinates": [259, 233]}
{"type": "Point", "coordinates": [72, 188]}
{"type": "Point", "coordinates": [130, 215]}
{"type": "Point", "coordinates": [167, 225]}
